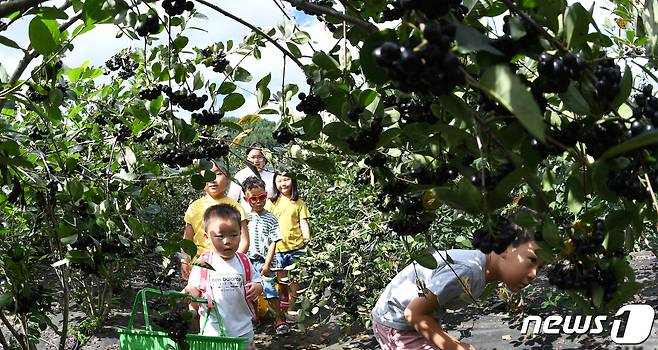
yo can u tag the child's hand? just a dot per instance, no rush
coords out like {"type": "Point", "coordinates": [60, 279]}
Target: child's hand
{"type": "Point", "coordinates": [265, 271]}
{"type": "Point", "coordinates": [253, 290]}
{"type": "Point", "coordinates": [193, 291]}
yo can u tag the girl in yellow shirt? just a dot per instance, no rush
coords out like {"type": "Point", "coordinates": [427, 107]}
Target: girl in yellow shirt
{"type": "Point", "coordinates": [293, 215]}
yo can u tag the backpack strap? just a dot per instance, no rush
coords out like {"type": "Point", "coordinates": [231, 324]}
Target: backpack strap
{"type": "Point", "coordinates": [204, 287]}
{"type": "Point", "coordinates": [246, 265]}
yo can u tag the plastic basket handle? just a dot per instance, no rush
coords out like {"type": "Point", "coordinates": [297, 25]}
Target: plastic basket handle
{"type": "Point", "coordinates": [141, 296]}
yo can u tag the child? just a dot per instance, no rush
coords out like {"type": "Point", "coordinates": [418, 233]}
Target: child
{"type": "Point", "coordinates": [406, 318]}
{"type": "Point", "coordinates": [215, 194]}
{"type": "Point", "coordinates": [295, 232]}
{"type": "Point", "coordinates": [226, 286]}
{"type": "Point", "coordinates": [264, 232]}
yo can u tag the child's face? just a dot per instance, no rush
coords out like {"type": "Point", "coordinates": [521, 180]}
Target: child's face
{"type": "Point", "coordinates": [217, 188]}
{"type": "Point", "coordinates": [256, 197]}
{"type": "Point", "coordinates": [284, 184]}
{"type": "Point", "coordinates": [224, 235]}
{"type": "Point", "coordinates": [256, 158]}
{"type": "Point", "coordinates": [520, 265]}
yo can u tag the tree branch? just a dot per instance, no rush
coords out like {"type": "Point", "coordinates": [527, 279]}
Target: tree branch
{"type": "Point", "coordinates": [9, 7]}
{"type": "Point", "coordinates": [254, 28]}
{"type": "Point", "coordinates": [303, 4]}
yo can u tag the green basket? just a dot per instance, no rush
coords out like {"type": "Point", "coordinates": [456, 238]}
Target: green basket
{"type": "Point", "coordinates": [148, 339]}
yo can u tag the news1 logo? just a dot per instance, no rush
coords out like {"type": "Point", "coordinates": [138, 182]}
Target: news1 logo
{"type": "Point", "coordinates": [639, 323]}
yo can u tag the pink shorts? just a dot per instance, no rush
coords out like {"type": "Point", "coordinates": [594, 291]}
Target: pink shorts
{"type": "Point", "coordinates": [395, 339]}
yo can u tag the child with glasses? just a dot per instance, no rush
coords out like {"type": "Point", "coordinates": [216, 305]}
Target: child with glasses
{"type": "Point", "coordinates": [293, 217]}
{"type": "Point", "coordinates": [194, 227]}
{"type": "Point", "coordinates": [265, 233]}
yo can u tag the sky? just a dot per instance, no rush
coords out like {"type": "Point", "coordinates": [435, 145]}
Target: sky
{"type": "Point", "coordinates": [100, 44]}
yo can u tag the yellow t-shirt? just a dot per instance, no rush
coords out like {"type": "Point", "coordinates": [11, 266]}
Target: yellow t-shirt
{"type": "Point", "coordinates": [289, 213]}
{"type": "Point", "coordinates": [194, 217]}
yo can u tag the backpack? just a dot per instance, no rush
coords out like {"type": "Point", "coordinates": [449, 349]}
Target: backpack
{"type": "Point", "coordinates": [204, 287]}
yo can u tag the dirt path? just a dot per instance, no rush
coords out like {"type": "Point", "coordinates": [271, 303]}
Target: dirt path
{"type": "Point", "coordinates": [491, 327]}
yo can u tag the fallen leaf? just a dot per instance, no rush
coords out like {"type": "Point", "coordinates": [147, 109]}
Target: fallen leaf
{"type": "Point", "coordinates": [506, 337]}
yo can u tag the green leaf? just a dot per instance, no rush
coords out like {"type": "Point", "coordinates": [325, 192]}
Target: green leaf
{"type": "Point", "coordinates": [180, 42]}
{"type": "Point", "coordinates": [551, 234]}
{"type": "Point", "coordinates": [576, 24]}
{"type": "Point", "coordinates": [197, 182]}
{"type": "Point", "coordinates": [262, 96]}
{"type": "Point", "coordinates": [232, 102]}
{"type": "Point", "coordinates": [597, 295]}
{"type": "Point", "coordinates": [5, 300]}
{"type": "Point", "coordinates": [575, 194]}
{"type": "Point", "coordinates": [48, 13]}
{"type": "Point", "coordinates": [155, 105]}
{"type": "Point", "coordinates": [325, 61]}
{"type": "Point", "coordinates": [374, 72]}
{"type": "Point", "coordinates": [503, 85]}
{"type": "Point", "coordinates": [198, 81]}
{"type": "Point", "coordinates": [209, 176]}
{"type": "Point", "coordinates": [226, 88]}
{"type": "Point", "coordinates": [464, 197]}
{"type": "Point", "coordinates": [301, 37]}
{"type": "Point", "coordinates": [574, 101]}
{"type": "Point", "coordinates": [322, 164]}
{"type": "Point", "coordinates": [44, 35]}
{"type": "Point", "coordinates": [312, 126]}
{"type": "Point", "coordinates": [94, 11]}
{"type": "Point", "coordinates": [8, 42]}
{"type": "Point", "coordinates": [425, 259]}
{"type": "Point", "coordinates": [188, 247]}
{"type": "Point", "coordinates": [636, 142]}
{"type": "Point", "coordinates": [471, 40]}
{"type": "Point", "coordinates": [294, 50]}
{"type": "Point", "coordinates": [625, 87]}
{"type": "Point", "coordinates": [264, 81]}
{"type": "Point", "coordinates": [242, 74]}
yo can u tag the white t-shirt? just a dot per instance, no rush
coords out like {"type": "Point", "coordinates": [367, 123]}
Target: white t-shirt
{"type": "Point", "coordinates": [226, 283]}
{"type": "Point", "coordinates": [442, 282]}
{"type": "Point", "coordinates": [263, 230]}
{"type": "Point", "coordinates": [235, 190]}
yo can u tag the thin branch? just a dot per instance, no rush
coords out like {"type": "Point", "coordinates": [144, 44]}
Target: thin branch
{"type": "Point", "coordinates": [254, 28]}
{"type": "Point", "coordinates": [305, 5]}
{"type": "Point", "coordinates": [653, 194]}
{"type": "Point", "coordinates": [11, 328]}
{"type": "Point", "coordinates": [539, 28]}
{"type": "Point", "coordinates": [8, 7]}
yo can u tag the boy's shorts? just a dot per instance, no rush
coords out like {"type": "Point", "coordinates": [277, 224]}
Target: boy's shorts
{"type": "Point", "coordinates": [396, 339]}
{"type": "Point", "coordinates": [269, 290]}
{"type": "Point", "coordinates": [288, 258]}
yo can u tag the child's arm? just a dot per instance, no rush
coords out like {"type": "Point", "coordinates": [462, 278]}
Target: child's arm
{"type": "Point", "coordinates": [244, 237]}
{"type": "Point", "coordinates": [306, 229]}
{"type": "Point", "coordinates": [188, 234]}
{"type": "Point", "coordinates": [419, 314]}
{"type": "Point", "coordinates": [268, 259]}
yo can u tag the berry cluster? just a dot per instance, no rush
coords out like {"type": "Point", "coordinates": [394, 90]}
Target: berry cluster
{"type": "Point", "coordinates": [177, 7]}
{"type": "Point", "coordinates": [567, 136]}
{"type": "Point", "coordinates": [174, 324]}
{"type": "Point", "coordinates": [608, 77]}
{"type": "Point", "coordinates": [592, 244]}
{"type": "Point", "coordinates": [375, 160]}
{"type": "Point", "coordinates": [211, 149]}
{"type": "Point", "coordinates": [284, 135]}
{"type": "Point", "coordinates": [392, 13]}
{"type": "Point", "coordinates": [504, 233]}
{"type": "Point", "coordinates": [555, 74]}
{"type": "Point", "coordinates": [172, 157]}
{"type": "Point", "coordinates": [151, 94]}
{"type": "Point", "coordinates": [603, 136]}
{"type": "Point", "coordinates": [150, 25]}
{"type": "Point", "coordinates": [145, 135]}
{"type": "Point", "coordinates": [626, 184]}
{"type": "Point", "coordinates": [415, 111]}
{"type": "Point", "coordinates": [573, 276]}
{"type": "Point", "coordinates": [486, 181]}
{"type": "Point", "coordinates": [433, 69]}
{"type": "Point", "coordinates": [510, 46]}
{"type": "Point", "coordinates": [437, 176]}
{"type": "Point", "coordinates": [35, 96]}
{"type": "Point", "coordinates": [207, 52]}
{"type": "Point", "coordinates": [36, 134]}
{"type": "Point", "coordinates": [219, 62]}
{"type": "Point", "coordinates": [311, 104]}
{"type": "Point", "coordinates": [409, 219]}
{"type": "Point", "coordinates": [189, 102]}
{"type": "Point", "coordinates": [365, 139]}
{"type": "Point", "coordinates": [207, 118]}
{"type": "Point", "coordinates": [647, 105]}
{"type": "Point", "coordinates": [122, 63]}
{"type": "Point", "coordinates": [123, 132]}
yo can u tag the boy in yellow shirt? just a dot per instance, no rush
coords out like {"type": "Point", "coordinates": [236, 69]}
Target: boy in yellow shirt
{"type": "Point", "coordinates": [194, 227]}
